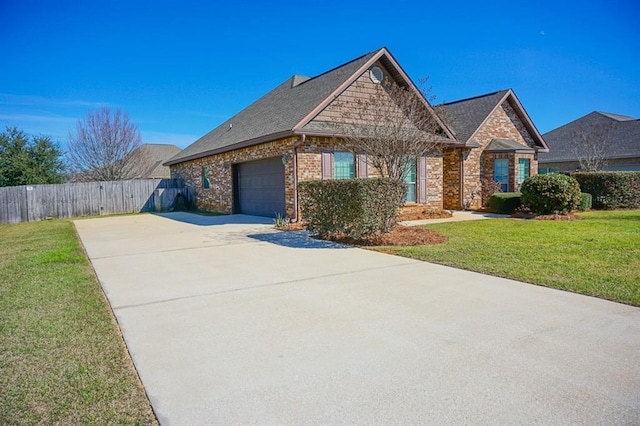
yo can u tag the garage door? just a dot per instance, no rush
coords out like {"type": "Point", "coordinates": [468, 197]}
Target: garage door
{"type": "Point", "coordinates": [260, 189]}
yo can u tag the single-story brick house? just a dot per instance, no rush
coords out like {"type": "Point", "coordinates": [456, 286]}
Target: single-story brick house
{"type": "Point", "coordinates": [253, 162]}
{"type": "Point", "coordinates": [611, 140]}
{"type": "Point", "coordinates": [500, 143]}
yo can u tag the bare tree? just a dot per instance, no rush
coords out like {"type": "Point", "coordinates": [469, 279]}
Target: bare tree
{"type": "Point", "coordinates": [590, 144]}
{"type": "Point", "coordinates": [391, 124]}
{"type": "Point", "coordinates": [102, 146]}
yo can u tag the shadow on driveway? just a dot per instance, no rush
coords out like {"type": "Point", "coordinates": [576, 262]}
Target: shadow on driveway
{"type": "Point", "coordinates": [297, 239]}
{"type": "Point", "coordinates": [206, 220]}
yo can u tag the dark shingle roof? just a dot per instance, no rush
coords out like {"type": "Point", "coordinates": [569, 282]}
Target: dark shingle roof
{"type": "Point", "coordinates": [619, 134]}
{"type": "Point", "coordinates": [466, 115]}
{"type": "Point", "coordinates": [275, 113]}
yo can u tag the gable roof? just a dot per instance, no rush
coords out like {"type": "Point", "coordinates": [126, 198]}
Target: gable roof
{"type": "Point", "coordinates": [620, 135]}
{"type": "Point", "coordinates": [466, 116]}
{"type": "Point", "coordinates": [149, 160]}
{"type": "Point", "coordinates": [289, 107]}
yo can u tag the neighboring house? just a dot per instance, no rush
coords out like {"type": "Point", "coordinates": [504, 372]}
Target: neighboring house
{"type": "Point", "coordinates": [607, 141]}
{"type": "Point", "coordinates": [501, 144]}
{"type": "Point", "coordinates": [149, 158]}
{"type": "Point", "coordinates": [253, 162]}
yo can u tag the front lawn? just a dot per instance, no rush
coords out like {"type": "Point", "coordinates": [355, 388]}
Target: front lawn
{"type": "Point", "coordinates": [62, 358]}
{"type": "Point", "coordinates": [598, 255]}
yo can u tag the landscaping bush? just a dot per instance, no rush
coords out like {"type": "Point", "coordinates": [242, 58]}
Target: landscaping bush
{"type": "Point", "coordinates": [504, 202]}
{"type": "Point", "coordinates": [554, 192]}
{"type": "Point", "coordinates": [586, 201]}
{"type": "Point", "coordinates": [611, 190]}
{"type": "Point", "coordinates": [489, 187]}
{"type": "Point", "coordinates": [352, 207]}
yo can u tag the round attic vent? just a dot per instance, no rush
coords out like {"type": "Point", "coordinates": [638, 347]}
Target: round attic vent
{"type": "Point", "coordinates": [376, 75]}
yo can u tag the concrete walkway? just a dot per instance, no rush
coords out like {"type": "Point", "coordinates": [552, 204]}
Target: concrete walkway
{"type": "Point", "coordinates": [458, 216]}
{"type": "Point", "coordinates": [231, 322]}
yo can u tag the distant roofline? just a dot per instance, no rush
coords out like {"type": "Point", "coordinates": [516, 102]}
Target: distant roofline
{"type": "Point", "coordinates": [576, 160]}
{"type": "Point", "coordinates": [159, 143]}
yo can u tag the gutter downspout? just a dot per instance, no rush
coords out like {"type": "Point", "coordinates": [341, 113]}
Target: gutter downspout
{"type": "Point", "coordinates": [303, 138]}
{"type": "Point", "coordinates": [462, 206]}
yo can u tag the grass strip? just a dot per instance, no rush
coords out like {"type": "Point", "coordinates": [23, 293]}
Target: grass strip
{"type": "Point", "coordinates": [62, 358]}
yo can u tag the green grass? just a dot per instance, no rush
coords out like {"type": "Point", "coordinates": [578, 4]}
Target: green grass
{"type": "Point", "coordinates": [62, 358]}
{"type": "Point", "coordinates": [597, 256]}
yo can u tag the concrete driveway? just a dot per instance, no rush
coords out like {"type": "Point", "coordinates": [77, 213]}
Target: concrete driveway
{"type": "Point", "coordinates": [230, 322]}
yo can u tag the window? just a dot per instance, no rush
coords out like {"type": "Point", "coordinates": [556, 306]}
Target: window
{"type": "Point", "coordinates": [501, 173]}
{"type": "Point", "coordinates": [206, 184]}
{"type": "Point", "coordinates": [547, 170]}
{"type": "Point", "coordinates": [523, 170]}
{"type": "Point", "coordinates": [344, 165]}
{"type": "Point", "coordinates": [410, 180]}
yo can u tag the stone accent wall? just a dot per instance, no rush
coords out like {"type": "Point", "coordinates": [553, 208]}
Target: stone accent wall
{"type": "Point", "coordinates": [502, 124]}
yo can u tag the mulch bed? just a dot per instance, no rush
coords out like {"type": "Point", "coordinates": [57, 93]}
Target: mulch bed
{"type": "Point", "coordinates": [525, 214]}
{"type": "Point", "coordinates": [421, 212]}
{"type": "Point", "coordinates": [400, 236]}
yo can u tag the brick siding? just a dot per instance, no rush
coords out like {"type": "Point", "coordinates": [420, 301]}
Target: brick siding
{"type": "Point", "coordinates": [219, 197]}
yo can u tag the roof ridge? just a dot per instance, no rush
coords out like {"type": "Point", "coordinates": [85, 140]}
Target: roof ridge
{"type": "Point", "coordinates": [474, 97]}
{"type": "Point", "coordinates": [616, 117]}
{"type": "Point", "coordinates": [373, 52]}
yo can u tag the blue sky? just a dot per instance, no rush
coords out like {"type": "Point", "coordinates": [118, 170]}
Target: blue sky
{"type": "Point", "coordinates": [181, 68]}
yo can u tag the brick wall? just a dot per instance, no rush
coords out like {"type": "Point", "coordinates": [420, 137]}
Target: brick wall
{"type": "Point", "coordinates": [219, 197]}
{"type": "Point", "coordinates": [451, 175]}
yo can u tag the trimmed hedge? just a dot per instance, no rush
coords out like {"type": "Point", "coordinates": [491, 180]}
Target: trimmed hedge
{"type": "Point", "coordinates": [586, 201]}
{"type": "Point", "coordinates": [504, 202]}
{"type": "Point", "coordinates": [353, 207]}
{"type": "Point", "coordinates": [550, 193]}
{"type": "Point", "coordinates": [611, 190]}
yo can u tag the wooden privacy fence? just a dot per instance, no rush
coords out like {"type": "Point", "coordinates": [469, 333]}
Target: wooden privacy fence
{"type": "Point", "coordinates": [36, 202]}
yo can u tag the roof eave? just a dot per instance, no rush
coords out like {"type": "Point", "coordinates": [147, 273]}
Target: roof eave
{"type": "Point", "coordinates": [507, 150]}
{"type": "Point", "coordinates": [238, 145]}
{"type": "Point", "coordinates": [320, 133]}
{"type": "Point", "coordinates": [527, 121]}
